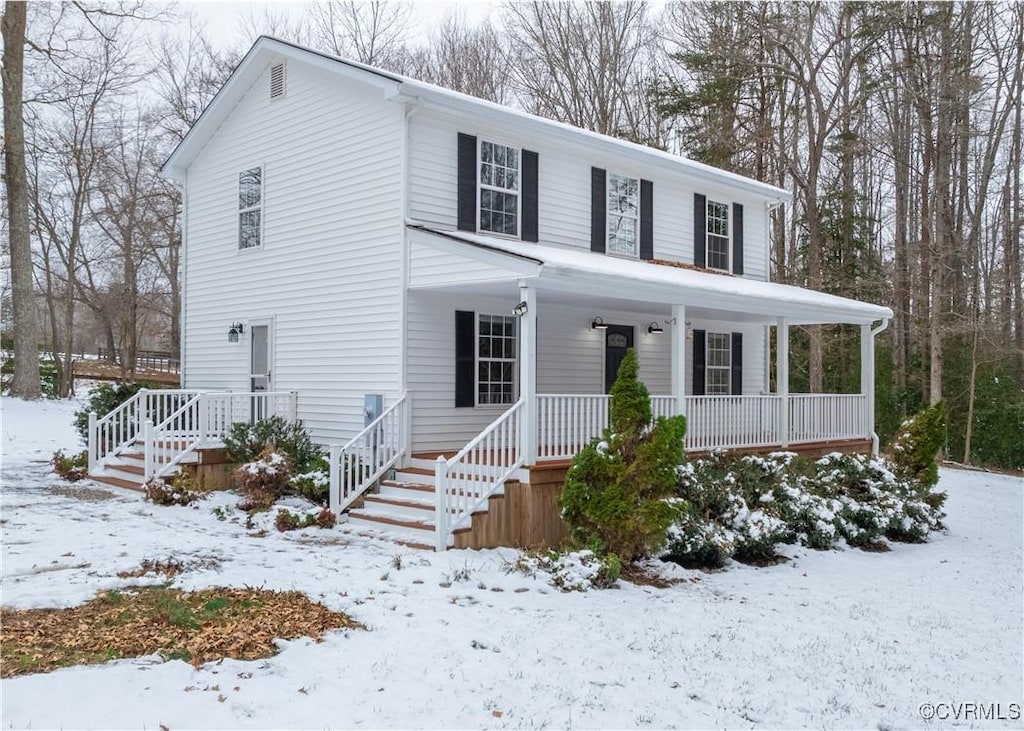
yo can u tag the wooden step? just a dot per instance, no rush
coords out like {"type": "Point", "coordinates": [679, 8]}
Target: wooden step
{"type": "Point", "coordinates": [117, 482]}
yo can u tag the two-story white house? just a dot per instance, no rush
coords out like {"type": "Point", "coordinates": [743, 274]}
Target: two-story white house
{"type": "Point", "coordinates": [350, 232]}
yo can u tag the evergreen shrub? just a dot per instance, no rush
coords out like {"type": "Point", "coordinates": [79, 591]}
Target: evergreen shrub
{"type": "Point", "coordinates": [916, 446]}
{"type": "Point", "coordinates": [246, 442]}
{"type": "Point", "coordinates": [615, 492]}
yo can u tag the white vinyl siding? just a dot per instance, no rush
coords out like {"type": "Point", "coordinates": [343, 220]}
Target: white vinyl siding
{"type": "Point", "coordinates": [563, 189]}
{"type": "Point", "coordinates": [328, 274]}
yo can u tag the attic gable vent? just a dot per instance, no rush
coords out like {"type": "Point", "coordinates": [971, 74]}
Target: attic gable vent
{"type": "Point", "coordinates": [276, 80]}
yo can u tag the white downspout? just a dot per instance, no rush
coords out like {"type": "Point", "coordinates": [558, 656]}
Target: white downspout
{"type": "Point", "coordinates": [867, 376]}
{"type": "Point", "coordinates": [403, 319]}
{"type": "Point", "coordinates": [182, 280]}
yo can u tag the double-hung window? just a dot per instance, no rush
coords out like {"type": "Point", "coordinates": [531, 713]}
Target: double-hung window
{"type": "Point", "coordinates": [496, 359]}
{"type": "Point", "coordinates": [250, 208]}
{"type": "Point", "coordinates": [718, 364]}
{"type": "Point", "coordinates": [718, 236]}
{"type": "Point", "coordinates": [623, 215]}
{"type": "Point", "coordinates": [499, 188]}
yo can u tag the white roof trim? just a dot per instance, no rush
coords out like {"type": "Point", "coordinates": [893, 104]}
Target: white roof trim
{"type": "Point", "coordinates": [405, 89]}
{"type": "Point", "coordinates": [585, 272]}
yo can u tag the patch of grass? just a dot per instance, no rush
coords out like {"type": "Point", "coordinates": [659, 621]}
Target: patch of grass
{"type": "Point", "coordinates": [197, 626]}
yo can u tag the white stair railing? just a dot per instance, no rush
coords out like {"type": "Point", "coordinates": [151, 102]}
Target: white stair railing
{"type": "Point", "coordinates": [463, 484]}
{"type": "Point", "coordinates": [359, 464]}
{"type": "Point", "coordinates": [170, 441]}
{"type": "Point", "coordinates": [115, 430]}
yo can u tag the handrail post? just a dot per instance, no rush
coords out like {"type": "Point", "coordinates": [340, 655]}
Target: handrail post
{"type": "Point", "coordinates": [406, 430]}
{"type": "Point", "coordinates": [440, 504]}
{"type": "Point", "coordinates": [334, 494]}
{"type": "Point", "coordinates": [148, 435]}
{"type": "Point", "coordinates": [204, 419]}
{"type": "Point", "coordinates": [141, 409]}
{"type": "Point", "coordinates": [93, 441]}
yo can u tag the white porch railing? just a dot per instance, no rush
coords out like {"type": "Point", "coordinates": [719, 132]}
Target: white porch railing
{"type": "Point", "coordinates": [729, 422]}
{"type": "Point", "coordinates": [565, 423]}
{"type": "Point", "coordinates": [817, 417]}
{"type": "Point", "coordinates": [357, 465]}
{"type": "Point", "coordinates": [173, 423]}
{"type": "Point", "coordinates": [463, 483]}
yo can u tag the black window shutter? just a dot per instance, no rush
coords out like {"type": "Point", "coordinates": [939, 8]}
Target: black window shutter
{"type": "Point", "coordinates": [737, 364]}
{"type": "Point", "coordinates": [737, 238]}
{"type": "Point", "coordinates": [465, 358]}
{"type": "Point", "coordinates": [598, 210]}
{"type": "Point", "coordinates": [700, 230]}
{"type": "Point", "coordinates": [646, 219]}
{"type": "Point", "coordinates": [698, 363]}
{"type": "Point", "coordinates": [467, 182]}
{"type": "Point", "coordinates": [529, 196]}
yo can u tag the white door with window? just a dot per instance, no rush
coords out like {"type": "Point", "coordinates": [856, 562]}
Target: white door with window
{"type": "Point", "coordinates": [260, 373]}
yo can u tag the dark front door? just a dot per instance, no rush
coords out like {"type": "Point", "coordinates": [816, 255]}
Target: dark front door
{"type": "Point", "coordinates": [618, 339]}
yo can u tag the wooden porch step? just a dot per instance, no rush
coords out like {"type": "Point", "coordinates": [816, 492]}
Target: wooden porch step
{"type": "Point", "coordinates": [117, 482]}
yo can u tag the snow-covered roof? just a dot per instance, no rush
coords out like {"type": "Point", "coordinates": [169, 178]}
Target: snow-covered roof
{"type": "Point", "coordinates": [586, 272]}
{"type": "Point", "coordinates": [404, 88]}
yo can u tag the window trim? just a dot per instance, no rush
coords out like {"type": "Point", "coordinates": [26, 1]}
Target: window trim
{"type": "Point", "coordinates": [239, 210]}
{"type": "Point", "coordinates": [481, 186]}
{"type": "Point", "coordinates": [608, 214]}
{"type": "Point", "coordinates": [708, 202]}
{"type": "Point", "coordinates": [477, 359]}
{"type": "Point", "coordinates": [708, 336]}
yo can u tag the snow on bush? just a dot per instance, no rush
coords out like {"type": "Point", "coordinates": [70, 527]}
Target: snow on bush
{"type": "Point", "coordinates": [573, 571]}
{"type": "Point", "coordinates": [742, 507]}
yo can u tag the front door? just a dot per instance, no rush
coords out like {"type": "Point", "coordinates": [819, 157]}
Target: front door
{"type": "Point", "coordinates": [618, 339]}
{"type": "Point", "coordinates": [259, 367]}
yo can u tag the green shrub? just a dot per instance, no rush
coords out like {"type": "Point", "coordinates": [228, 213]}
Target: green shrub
{"type": "Point", "coordinates": [246, 442]}
{"type": "Point", "coordinates": [916, 446]}
{"type": "Point", "coordinates": [103, 399]}
{"type": "Point", "coordinates": [314, 485]}
{"type": "Point", "coordinates": [73, 467]}
{"type": "Point", "coordinates": [743, 507]}
{"type": "Point", "coordinates": [181, 490]}
{"type": "Point", "coordinates": [615, 490]}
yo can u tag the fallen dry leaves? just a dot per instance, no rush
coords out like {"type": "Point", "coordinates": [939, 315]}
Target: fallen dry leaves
{"type": "Point", "coordinates": [196, 626]}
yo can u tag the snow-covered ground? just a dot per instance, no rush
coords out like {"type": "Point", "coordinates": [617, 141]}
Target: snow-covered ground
{"type": "Point", "coordinates": [835, 639]}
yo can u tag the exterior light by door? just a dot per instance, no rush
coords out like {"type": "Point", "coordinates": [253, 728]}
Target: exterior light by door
{"type": "Point", "coordinates": [598, 324]}
{"type": "Point", "coordinates": [236, 330]}
{"type": "Point", "coordinates": [520, 309]}
{"type": "Point", "coordinates": [654, 329]}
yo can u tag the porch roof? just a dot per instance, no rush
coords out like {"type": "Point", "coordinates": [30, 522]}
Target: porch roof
{"type": "Point", "coordinates": [583, 272]}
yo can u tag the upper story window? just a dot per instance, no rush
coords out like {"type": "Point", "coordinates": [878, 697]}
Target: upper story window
{"type": "Point", "coordinates": [623, 215]}
{"type": "Point", "coordinates": [718, 363]}
{"type": "Point", "coordinates": [499, 188]}
{"type": "Point", "coordinates": [718, 241]}
{"type": "Point", "coordinates": [250, 208]}
{"type": "Point", "coordinates": [496, 359]}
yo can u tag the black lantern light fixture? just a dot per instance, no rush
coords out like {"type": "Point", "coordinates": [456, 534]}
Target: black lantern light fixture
{"type": "Point", "coordinates": [235, 330]}
{"type": "Point", "coordinates": [521, 309]}
{"type": "Point", "coordinates": [654, 329]}
{"type": "Point", "coordinates": [598, 323]}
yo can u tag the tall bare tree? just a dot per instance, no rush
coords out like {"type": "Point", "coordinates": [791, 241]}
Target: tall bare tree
{"type": "Point", "coordinates": [26, 355]}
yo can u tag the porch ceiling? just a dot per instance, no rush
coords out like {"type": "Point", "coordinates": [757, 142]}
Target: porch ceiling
{"type": "Point", "coordinates": [572, 276]}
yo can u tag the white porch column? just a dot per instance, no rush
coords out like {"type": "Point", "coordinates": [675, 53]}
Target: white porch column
{"type": "Point", "coordinates": [867, 383]}
{"type": "Point", "coordinates": [528, 374]}
{"type": "Point", "coordinates": [782, 377]}
{"type": "Point", "coordinates": [679, 358]}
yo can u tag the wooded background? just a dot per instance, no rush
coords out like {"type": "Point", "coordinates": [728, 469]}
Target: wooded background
{"type": "Point", "coordinates": [896, 125]}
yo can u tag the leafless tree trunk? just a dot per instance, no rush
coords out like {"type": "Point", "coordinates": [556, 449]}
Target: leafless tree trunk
{"type": "Point", "coordinates": [26, 355]}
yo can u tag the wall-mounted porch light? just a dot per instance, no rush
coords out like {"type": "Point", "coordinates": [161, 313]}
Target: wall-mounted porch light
{"type": "Point", "coordinates": [235, 330]}
{"type": "Point", "coordinates": [598, 324]}
{"type": "Point", "coordinates": [672, 321]}
{"type": "Point", "coordinates": [654, 329]}
{"type": "Point", "coordinates": [520, 309]}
